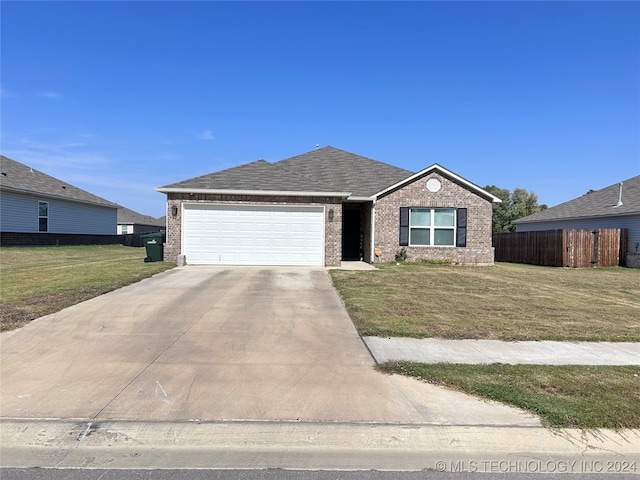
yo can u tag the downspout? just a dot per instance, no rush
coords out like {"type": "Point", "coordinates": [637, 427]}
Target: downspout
{"type": "Point", "coordinates": [372, 254]}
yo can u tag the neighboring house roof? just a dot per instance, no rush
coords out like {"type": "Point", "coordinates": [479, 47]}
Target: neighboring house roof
{"type": "Point", "coordinates": [599, 203]}
{"type": "Point", "coordinates": [129, 217]}
{"type": "Point", "coordinates": [17, 177]}
{"type": "Point", "coordinates": [325, 171]}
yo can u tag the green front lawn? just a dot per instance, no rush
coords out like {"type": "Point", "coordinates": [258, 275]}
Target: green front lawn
{"type": "Point", "coordinates": [504, 301]}
{"type": "Point", "coordinates": [510, 302]}
{"type": "Point", "coordinates": [37, 281]}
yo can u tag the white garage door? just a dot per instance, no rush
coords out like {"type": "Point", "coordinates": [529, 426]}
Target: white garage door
{"type": "Point", "coordinates": [253, 235]}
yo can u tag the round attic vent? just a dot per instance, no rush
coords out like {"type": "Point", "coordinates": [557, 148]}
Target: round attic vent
{"type": "Point", "coordinates": [433, 185]}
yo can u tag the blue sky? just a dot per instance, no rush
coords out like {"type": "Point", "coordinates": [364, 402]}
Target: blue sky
{"type": "Point", "coordinates": [121, 97]}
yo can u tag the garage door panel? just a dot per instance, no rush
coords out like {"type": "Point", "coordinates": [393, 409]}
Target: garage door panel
{"type": "Point", "coordinates": [262, 242]}
{"type": "Point", "coordinates": [253, 235]}
{"type": "Point", "coordinates": [279, 227]}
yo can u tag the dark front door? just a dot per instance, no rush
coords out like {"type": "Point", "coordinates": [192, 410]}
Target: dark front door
{"type": "Point", "coordinates": [351, 243]}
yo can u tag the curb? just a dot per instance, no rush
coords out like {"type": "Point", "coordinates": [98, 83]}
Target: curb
{"type": "Point", "coordinates": [316, 446]}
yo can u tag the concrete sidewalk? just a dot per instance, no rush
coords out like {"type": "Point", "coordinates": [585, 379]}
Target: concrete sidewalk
{"type": "Point", "coordinates": [435, 350]}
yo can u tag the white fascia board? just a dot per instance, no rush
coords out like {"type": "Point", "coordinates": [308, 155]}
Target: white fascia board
{"type": "Point", "coordinates": [436, 167]}
{"type": "Point", "coordinates": [360, 199]}
{"type": "Point", "coordinates": [268, 193]}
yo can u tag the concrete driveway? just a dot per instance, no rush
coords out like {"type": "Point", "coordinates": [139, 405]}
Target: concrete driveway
{"type": "Point", "coordinates": [214, 344]}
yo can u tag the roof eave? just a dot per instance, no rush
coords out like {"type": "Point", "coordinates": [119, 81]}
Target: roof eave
{"type": "Point", "coordinates": [587, 217]}
{"type": "Point", "coordinates": [106, 204]}
{"type": "Point", "coordinates": [436, 167]}
{"type": "Point", "coordinates": [269, 193]}
{"type": "Point", "coordinates": [142, 224]}
{"type": "Point", "coordinates": [360, 198]}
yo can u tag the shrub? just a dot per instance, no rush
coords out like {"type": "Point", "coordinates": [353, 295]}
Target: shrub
{"type": "Point", "coordinates": [401, 255]}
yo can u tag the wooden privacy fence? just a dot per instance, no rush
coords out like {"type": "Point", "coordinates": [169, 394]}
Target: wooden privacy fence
{"type": "Point", "coordinates": [575, 248]}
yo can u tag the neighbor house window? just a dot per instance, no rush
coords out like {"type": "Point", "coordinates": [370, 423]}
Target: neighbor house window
{"type": "Point", "coordinates": [43, 216]}
{"type": "Point", "coordinates": [125, 229]}
{"type": "Point", "coordinates": [433, 227]}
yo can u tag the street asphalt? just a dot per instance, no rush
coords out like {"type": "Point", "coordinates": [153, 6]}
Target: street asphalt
{"type": "Point", "coordinates": [255, 367]}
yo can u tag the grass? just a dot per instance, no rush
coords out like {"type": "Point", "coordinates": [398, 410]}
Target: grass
{"type": "Point", "coordinates": [585, 397]}
{"type": "Point", "coordinates": [37, 281]}
{"type": "Point", "coordinates": [510, 302]}
{"type": "Point", "coordinates": [504, 301]}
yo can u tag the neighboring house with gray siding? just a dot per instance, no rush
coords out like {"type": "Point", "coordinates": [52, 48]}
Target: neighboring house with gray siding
{"type": "Point", "coordinates": [32, 202]}
{"type": "Point", "coordinates": [616, 206]}
{"type": "Point", "coordinates": [134, 222]}
{"type": "Point", "coordinates": [326, 206]}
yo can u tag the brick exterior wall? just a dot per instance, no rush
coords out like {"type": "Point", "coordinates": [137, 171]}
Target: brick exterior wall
{"type": "Point", "coordinates": [478, 251]}
{"type": "Point", "coordinates": [333, 229]}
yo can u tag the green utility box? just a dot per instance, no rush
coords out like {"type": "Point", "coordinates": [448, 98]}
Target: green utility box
{"type": "Point", "coordinates": [153, 242]}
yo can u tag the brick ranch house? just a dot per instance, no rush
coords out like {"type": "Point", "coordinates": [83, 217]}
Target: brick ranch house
{"type": "Point", "coordinates": [323, 207]}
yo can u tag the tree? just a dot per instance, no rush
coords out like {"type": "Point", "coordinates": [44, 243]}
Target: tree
{"type": "Point", "coordinates": [515, 205]}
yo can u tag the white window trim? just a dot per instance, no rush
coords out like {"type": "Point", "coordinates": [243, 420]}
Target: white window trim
{"type": "Point", "coordinates": [40, 216]}
{"type": "Point", "coordinates": [432, 228]}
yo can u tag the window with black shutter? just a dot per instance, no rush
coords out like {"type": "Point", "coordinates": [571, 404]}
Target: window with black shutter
{"type": "Point", "coordinates": [404, 226]}
{"type": "Point", "coordinates": [461, 230]}
{"type": "Point", "coordinates": [429, 227]}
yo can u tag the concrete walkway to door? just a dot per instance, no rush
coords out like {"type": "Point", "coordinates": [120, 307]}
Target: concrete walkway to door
{"type": "Point", "coordinates": [214, 344]}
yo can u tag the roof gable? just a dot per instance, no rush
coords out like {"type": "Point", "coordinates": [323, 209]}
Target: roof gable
{"type": "Point", "coordinates": [18, 177]}
{"type": "Point", "coordinates": [446, 173]}
{"type": "Point", "coordinates": [600, 203]}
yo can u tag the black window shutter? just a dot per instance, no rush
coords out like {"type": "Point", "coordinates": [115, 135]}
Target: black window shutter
{"type": "Point", "coordinates": [461, 232]}
{"type": "Point", "coordinates": [404, 226]}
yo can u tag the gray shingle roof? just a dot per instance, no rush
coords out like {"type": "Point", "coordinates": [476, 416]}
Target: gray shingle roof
{"type": "Point", "coordinates": [259, 175]}
{"type": "Point", "coordinates": [346, 172]}
{"type": "Point", "coordinates": [327, 169]}
{"type": "Point", "coordinates": [19, 177]}
{"type": "Point", "coordinates": [600, 203]}
{"type": "Point", "coordinates": [126, 216]}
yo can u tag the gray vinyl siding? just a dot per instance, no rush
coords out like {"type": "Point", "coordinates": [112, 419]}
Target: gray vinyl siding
{"type": "Point", "coordinates": [631, 222]}
{"type": "Point", "coordinates": [19, 213]}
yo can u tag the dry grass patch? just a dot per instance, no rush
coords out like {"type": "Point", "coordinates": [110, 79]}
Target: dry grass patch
{"type": "Point", "coordinates": [563, 396]}
{"type": "Point", "coordinates": [504, 301]}
{"type": "Point", "coordinates": [37, 281]}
